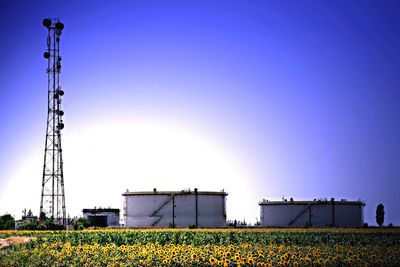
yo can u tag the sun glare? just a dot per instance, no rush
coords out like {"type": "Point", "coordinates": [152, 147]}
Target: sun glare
{"type": "Point", "coordinates": [106, 159]}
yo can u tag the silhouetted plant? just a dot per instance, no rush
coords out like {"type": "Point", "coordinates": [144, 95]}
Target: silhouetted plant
{"type": "Point", "coordinates": [380, 214]}
{"type": "Point", "coordinates": [7, 222]}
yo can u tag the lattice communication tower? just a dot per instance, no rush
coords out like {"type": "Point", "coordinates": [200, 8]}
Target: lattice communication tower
{"type": "Point", "coordinates": [52, 201]}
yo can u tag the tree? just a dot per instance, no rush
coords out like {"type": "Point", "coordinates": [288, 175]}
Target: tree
{"type": "Point", "coordinates": [49, 224]}
{"type": "Point", "coordinates": [7, 222]}
{"type": "Point", "coordinates": [81, 223]}
{"type": "Point", "coordinates": [380, 214]}
{"type": "Point", "coordinates": [27, 225]}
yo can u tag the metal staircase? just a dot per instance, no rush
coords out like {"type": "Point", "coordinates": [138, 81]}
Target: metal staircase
{"type": "Point", "coordinates": [155, 213]}
{"type": "Point", "coordinates": [299, 215]}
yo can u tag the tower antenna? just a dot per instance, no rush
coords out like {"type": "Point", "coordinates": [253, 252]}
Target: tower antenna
{"type": "Point", "coordinates": [52, 201]}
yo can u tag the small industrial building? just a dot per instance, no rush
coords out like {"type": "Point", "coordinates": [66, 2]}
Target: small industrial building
{"type": "Point", "coordinates": [102, 217]}
{"type": "Point", "coordinates": [175, 208]}
{"type": "Point", "coordinates": [317, 213]}
{"type": "Point", "coordinates": [30, 218]}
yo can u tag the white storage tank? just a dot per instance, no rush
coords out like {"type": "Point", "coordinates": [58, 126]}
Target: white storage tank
{"type": "Point", "coordinates": [175, 208]}
{"type": "Point", "coordinates": [318, 213]}
{"type": "Point", "coordinates": [102, 217]}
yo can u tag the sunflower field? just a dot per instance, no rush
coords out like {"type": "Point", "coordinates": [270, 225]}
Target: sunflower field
{"type": "Point", "coordinates": [205, 247]}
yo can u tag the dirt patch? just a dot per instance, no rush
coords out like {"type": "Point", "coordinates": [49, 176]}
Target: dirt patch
{"type": "Point", "coordinates": [3, 243]}
{"type": "Point", "coordinates": [15, 240]}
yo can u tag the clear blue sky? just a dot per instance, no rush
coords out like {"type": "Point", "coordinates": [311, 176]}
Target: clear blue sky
{"type": "Point", "coordinates": [261, 98]}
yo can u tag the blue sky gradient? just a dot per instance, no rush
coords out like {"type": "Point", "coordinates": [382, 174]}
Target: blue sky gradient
{"type": "Point", "coordinates": [278, 98]}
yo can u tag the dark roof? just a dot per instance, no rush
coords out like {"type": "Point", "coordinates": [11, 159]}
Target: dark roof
{"type": "Point", "coordinates": [100, 210]}
{"type": "Point", "coordinates": [183, 192]}
{"type": "Point", "coordinates": [311, 202]}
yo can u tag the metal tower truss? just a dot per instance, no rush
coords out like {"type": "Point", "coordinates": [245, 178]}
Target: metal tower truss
{"type": "Point", "coordinates": [52, 202]}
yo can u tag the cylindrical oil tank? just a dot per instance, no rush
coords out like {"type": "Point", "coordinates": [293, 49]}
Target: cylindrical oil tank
{"type": "Point", "coordinates": [317, 213]}
{"type": "Point", "coordinates": [175, 208]}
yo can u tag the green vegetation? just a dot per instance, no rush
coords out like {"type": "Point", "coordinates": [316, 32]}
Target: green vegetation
{"type": "Point", "coordinates": [206, 247]}
{"type": "Point", "coordinates": [81, 223]}
{"type": "Point", "coordinates": [7, 222]}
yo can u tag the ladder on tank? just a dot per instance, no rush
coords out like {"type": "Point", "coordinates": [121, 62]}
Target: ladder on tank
{"type": "Point", "coordinates": [299, 215]}
{"type": "Point", "coordinates": [159, 217]}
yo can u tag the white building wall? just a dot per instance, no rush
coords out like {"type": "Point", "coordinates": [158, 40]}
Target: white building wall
{"type": "Point", "coordinates": [283, 215]}
{"type": "Point", "coordinates": [321, 214]}
{"type": "Point", "coordinates": [211, 211]}
{"type": "Point", "coordinates": [349, 215]}
{"type": "Point", "coordinates": [185, 210]}
{"type": "Point", "coordinates": [140, 208]}
{"type": "Point", "coordinates": [113, 219]}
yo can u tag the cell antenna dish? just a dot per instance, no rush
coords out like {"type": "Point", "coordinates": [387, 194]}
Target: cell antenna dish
{"type": "Point", "coordinates": [59, 26]}
{"type": "Point", "coordinates": [47, 23]}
